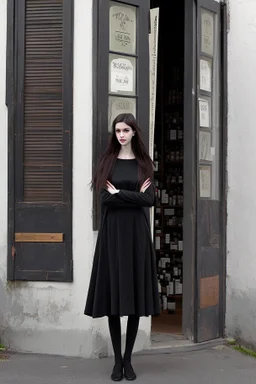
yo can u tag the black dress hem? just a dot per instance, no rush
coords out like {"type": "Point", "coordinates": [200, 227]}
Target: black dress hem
{"type": "Point", "coordinates": [120, 315]}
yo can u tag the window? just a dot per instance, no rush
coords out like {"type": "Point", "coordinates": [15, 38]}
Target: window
{"type": "Point", "coordinates": [39, 100]}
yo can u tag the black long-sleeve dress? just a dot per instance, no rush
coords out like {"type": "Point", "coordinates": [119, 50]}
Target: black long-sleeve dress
{"type": "Point", "coordinates": [123, 279]}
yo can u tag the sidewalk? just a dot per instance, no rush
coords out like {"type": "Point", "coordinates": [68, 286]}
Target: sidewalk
{"type": "Point", "coordinates": [219, 365]}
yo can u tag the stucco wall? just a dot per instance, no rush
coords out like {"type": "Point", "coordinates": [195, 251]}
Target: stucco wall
{"type": "Point", "coordinates": [48, 317]}
{"type": "Point", "coordinates": [241, 256]}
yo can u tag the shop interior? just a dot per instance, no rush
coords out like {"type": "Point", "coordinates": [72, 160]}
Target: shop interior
{"type": "Point", "coordinates": [168, 158]}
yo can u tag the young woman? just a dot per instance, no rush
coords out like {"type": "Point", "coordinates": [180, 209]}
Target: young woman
{"type": "Point", "coordinates": [123, 280]}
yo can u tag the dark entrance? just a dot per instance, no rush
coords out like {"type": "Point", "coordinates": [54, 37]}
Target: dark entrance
{"type": "Point", "coordinates": [169, 160]}
{"type": "Point", "coordinates": [188, 152]}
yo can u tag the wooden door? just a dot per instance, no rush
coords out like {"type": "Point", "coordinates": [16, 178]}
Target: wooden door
{"type": "Point", "coordinates": [210, 253]}
{"type": "Point", "coordinates": [204, 170]}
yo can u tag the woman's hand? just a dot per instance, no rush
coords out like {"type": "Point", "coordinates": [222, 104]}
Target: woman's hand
{"type": "Point", "coordinates": [111, 189]}
{"type": "Point", "coordinates": [145, 185]}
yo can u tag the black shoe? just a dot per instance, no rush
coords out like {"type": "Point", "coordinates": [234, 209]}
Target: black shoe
{"type": "Point", "coordinates": [129, 373]}
{"type": "Point", "coordinates": [117, 373]}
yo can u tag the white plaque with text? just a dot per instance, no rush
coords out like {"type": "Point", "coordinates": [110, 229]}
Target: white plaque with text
{"type": "Point", "coordinates": [119, 105]}
{"type": "Point", "coordinates": [204, 115]}
{"type": "Point", "coordinates": [121, 75]}
{"type": "Point", "coordinates": [207, 19]}
{"type": "Point", "coordinates": [205, 181]}
{"type": "Point", "coordinates": [122, 28]}
{"type": "Point", "coordinates": [205, 152]}
{"type": "Point", "coordinates": [205, 75]}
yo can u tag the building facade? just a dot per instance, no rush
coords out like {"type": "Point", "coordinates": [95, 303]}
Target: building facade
{"type": "Point", "coordinates": [54, 99]}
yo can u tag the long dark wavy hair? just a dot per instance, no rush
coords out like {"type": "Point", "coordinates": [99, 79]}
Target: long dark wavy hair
{"type": "Point", "coordinates": [108, 159]}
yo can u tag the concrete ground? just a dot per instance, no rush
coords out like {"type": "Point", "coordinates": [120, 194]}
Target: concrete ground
{"type": "Point", "coordinates": [218, 365]}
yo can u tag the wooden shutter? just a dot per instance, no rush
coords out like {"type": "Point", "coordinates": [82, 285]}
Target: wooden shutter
{"type": "Point", "coordinates": [43, 101]}
{"type": "Point", "coordinates": [42, 246]}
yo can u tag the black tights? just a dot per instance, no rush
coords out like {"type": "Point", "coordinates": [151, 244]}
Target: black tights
{"type": "Point", "coordinates": [115, 333]}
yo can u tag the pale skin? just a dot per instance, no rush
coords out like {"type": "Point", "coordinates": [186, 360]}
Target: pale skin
{"type": "Point", "coordinates": [124, 135]}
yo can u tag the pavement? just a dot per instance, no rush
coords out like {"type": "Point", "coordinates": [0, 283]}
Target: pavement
{"type": "Point", "coordinates": [217, 365]}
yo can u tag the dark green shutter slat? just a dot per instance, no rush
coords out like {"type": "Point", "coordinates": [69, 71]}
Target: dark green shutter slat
{"type": "Point", "coordinates": [43, 101]}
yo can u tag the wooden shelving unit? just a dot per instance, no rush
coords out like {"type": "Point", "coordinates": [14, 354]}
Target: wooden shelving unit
{"type": "Point", "coordinates": [168, 215]}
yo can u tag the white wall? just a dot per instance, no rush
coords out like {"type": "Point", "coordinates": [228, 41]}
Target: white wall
{"type": "Point", "coordinates": [48, 317]}
{"type": "Point", "coordinates": [241, 257]}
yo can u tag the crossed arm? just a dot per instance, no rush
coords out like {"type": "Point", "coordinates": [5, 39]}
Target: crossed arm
{"type": "Point", "coordinates": [125, 198]}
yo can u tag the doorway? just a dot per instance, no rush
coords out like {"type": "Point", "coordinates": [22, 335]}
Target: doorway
{"type": "Point", "coordinates": [189, 132]}
{"type": "Point", "coordinates": [168, 159]}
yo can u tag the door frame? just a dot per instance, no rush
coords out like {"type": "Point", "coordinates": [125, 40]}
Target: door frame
{"type": "Point", "coordinates": [223, 159]}
{"type": "Point", "coordinates": [190, 190]}
{"type": "Point", "coordinates": [190, 289]}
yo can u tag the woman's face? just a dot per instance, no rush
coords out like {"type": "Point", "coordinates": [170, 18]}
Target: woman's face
{"type": "Point", "coordinates": [124, 134]}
